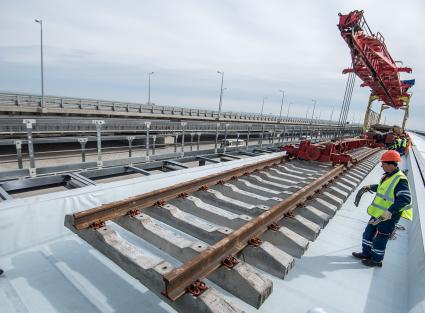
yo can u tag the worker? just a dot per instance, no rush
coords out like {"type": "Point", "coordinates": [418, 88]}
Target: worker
{"type": "Point", "coordinates": [398, 142]}
{"type": "Point", "coordinates": [405, 142]}
{"type": "Point", "coordinates": [408, 144]}
{"type": "Point", "coordinates": [394, 144]}
{"type": "Point", "coordinates": [401, 144]}
{"type": "Point", "coordinates": [392, 201]}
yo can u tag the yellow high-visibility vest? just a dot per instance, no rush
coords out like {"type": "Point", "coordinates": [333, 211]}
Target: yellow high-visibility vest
{"type": "Point", "coordinates": [384, 198]}
{"type": "Point", "coordinates": [404, 143]}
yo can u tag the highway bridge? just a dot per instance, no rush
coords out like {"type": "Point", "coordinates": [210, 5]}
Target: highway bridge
{"type": "Point", "coordinates": [21, 103]}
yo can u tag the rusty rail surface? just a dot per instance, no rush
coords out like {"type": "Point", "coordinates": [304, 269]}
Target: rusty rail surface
{"type": "Point", "coordinates": [209, 260]}
{"type": "Point", "coordinates": [85, 219]}
{"type": "Point", "coordinates": [199, 267]}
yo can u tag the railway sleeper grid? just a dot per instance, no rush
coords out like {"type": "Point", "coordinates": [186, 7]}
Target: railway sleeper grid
{"type": "Point", "coordinates": [190, 225]}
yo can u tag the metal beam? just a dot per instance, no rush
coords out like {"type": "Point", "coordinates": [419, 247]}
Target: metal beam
{"type": "Point", "coordinates": [84, 180]}
{"type": "Point", "coordinates": [4, 195]}
{"type": "Point", "coordinates": [203, 159]}
{"type": "Point", "coordinates": [14, 185]}
{"type": "Point", "coordinates": [229, 156]}
{"type": "Point", "coordinates": [175, 163]}
{"type": "Point", "coordinates": [138, 170]}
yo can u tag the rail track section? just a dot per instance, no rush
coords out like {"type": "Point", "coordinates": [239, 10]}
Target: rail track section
{"type": "Point", "coordinates": [223, 228]}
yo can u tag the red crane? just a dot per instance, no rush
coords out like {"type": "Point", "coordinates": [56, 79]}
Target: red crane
{"type": "Point", "coordinates": [372, 62]}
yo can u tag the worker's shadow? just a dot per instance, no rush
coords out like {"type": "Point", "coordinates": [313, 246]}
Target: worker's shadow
{"type": "Point", "coordinates": [317, 266]}
{"type": "Point", "coordinates": [99, 287]}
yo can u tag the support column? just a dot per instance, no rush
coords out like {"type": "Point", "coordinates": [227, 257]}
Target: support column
{"type": "Point", "coordinates": [148, 126]}
{"type": "Point", "coordinates": [18, 144]}
{"type": "Point", "coordinates": [367, 114]}
{"type": "Point", "coordinates": [83, 142]}
{"type": "Point", "coordinates": [406, 114]}
{"type": "Point", "coordinates": [153, 145]}
{"type": "Point", "coordinates": [99, 124]}
{"type": "Point", "coordinates": [28, 124]}
{"type": "Point", "coordinates": [183, 124]}
{"type": "Point", "coordinates": [199, 139]}
{"type": "Point", "coordinates": [130, 146]}
{"type": "Point", "coordinates": [191, 141]}
{"type": "Point", "coordinates": [176, 136]}
{"type": "Point", "coordinates": [260, 138]}
{"type": "Point", "coordinates": [383, 107]}
{"type": "Point", "coordinates": [216, 137]}
{"type": "Point", "coordinates": [247, 137]}
{"type": "Point", "coordinates": [225, 137]}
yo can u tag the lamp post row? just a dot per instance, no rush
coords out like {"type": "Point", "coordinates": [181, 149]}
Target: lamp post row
{"type": "Point", "coordinates": [220, 104]}
{"type": "Point", "coordinates": [42, 61]}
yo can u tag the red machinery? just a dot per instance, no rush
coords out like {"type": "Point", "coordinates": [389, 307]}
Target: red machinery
{"type": "Point", "coordinates": [334, 152]}
{"type": "Point", "coordinates": [372, 61]}
{"type": "Point", "coordinates": [374, 65]}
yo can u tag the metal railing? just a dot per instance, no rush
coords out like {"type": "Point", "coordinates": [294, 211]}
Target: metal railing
{"type": "Point", "coordinates": [30, 103]}
{"type": "Point", "coordinates": [48, 125]}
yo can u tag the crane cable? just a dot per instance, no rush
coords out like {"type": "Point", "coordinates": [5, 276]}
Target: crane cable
{"type": "Point", "coordinates": [345, 107]}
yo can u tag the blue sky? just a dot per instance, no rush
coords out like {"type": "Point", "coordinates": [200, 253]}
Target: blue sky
{"type": "Point", "coordinates": [104, 49]}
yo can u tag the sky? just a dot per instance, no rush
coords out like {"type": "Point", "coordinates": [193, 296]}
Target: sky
{"type": "Point", "coordinates": [105, 50]}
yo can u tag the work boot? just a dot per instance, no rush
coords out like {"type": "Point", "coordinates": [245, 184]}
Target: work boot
{"type": "Point", "coordinates": [360, 255]}
{"type": "Point", "coordinates": [371, 263]}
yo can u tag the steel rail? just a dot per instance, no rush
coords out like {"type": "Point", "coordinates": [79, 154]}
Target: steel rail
{"type": "Point", "coordinates": [209, 260]}
{"type": "Point", "coordinates": [85, 219]}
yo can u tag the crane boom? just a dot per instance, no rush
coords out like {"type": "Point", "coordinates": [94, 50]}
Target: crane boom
{"type": "Point", "coordinates": [372, 62]}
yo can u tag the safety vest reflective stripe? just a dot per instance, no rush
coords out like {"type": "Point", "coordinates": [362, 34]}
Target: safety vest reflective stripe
{"type": "Point", "coordinates": [405, 141]}
{"type": "Point", "coordinates": [387, 196]}
{"type": "Point", "coordinates": [384, 198]}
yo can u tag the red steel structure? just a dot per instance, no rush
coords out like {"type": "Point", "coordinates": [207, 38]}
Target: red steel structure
{"type": "Point", "coordinates": [372, 62]}
{"type": "Point", "coordinates": [335, 152]}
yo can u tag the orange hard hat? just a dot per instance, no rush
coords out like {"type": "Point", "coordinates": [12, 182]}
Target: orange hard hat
{"type": "Point", "coordinates": [391, 156]}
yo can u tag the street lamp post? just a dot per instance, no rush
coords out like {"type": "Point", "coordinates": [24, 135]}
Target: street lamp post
{"type": "Point", "coordinates": [332, 113]}
{"type": "Point", "coordinates": [314, 108]}
{"type": "Point", "coordinates": [262, 107]}
{"type": "Point", "coordinates": [149, 88]}
{"type": "Point", "coordinates": [221, 94]}
{"type": "Point", "coordinates": [222, 97]}
{"type": "Point", "coordinates": [42, 66]}
{"type": "Point", "coordinates": [281, 105]}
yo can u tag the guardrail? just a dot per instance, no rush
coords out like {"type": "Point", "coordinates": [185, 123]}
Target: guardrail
{"type": "Point", "coordinates": [30, 103]}
{"type": "Point", "coordinates": [182, 131]}
{"type": "Point", "coordinates": [15, 126]}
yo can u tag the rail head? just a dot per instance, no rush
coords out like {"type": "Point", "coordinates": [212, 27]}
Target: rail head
{"type": "Point", "coordinates": [199, 267]}
{"type": "Point", "coordinates": [103, 213]}
{"type": "Point", "coordinates": [209, 260]}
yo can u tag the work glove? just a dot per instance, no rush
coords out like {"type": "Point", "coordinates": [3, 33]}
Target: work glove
{"type": "Point", "coordinates": [360, 193]}
{"type": "Point", "coordinates": [384, 217]}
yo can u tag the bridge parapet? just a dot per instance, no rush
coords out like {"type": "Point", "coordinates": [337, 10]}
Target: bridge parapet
{"type": "Point", "coordinates": [53, 105]}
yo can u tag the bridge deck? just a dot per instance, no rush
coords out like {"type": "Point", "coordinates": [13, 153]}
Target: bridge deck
{"type": "Point", "coordinates": [48, 278]}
